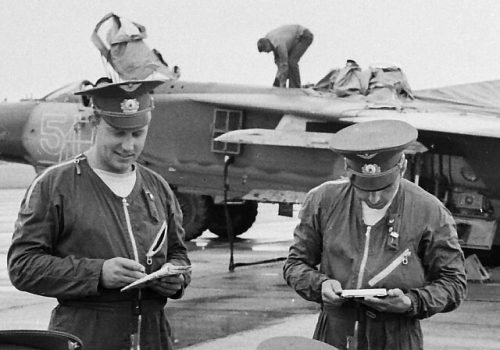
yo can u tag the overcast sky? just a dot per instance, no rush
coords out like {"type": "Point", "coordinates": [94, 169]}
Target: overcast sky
{"type": "Point", "coordinates": [46, 44]}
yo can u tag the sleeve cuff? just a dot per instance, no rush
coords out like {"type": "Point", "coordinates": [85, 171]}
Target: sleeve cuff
{"type": "Point", "coordinates": [413, 310]}
{"type": "Point", "coordinates": [180, 292]}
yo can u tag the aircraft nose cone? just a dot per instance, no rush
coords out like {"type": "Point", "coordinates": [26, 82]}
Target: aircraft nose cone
{"type": "Point", "coordinates": [13, 119]}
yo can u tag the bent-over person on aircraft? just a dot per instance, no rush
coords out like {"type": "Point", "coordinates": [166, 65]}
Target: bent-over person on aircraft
{"type": "Point", "coordinates": [288, 44]}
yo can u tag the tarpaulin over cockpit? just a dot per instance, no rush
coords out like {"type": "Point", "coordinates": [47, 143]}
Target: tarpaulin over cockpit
{"type": "Point", "coordinates": [386, 86]}
{"type": "Point", "coordinates": [121, 44]}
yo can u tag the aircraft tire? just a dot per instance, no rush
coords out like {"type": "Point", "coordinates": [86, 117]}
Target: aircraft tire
{"type": "Point", "coordinates": [196, 211]}
{"type": "Point", "coordinates": [242, 217]}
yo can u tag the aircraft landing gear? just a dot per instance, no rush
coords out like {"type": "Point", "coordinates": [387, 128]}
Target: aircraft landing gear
{"type": "Point", "coordinates": [200, 213]}
{"type": "Point", "coordinates": [242, 218]}
{"type": "Point", "coordinates": [196, 211]}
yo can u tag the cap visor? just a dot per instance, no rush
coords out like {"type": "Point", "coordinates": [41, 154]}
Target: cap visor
{"type": "Point", "coordinates": [128, 122]}
{"type": "Point", "coordinates": [374, 183]}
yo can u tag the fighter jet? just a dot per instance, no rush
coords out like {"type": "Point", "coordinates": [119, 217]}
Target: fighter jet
{"type": "Point", "coordinates": [229, 146]}
{"type": "Point", "coordinates": [242, 145]}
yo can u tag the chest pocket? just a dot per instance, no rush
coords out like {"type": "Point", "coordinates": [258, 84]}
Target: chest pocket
{"type": "Point", "coordinates": [404, 269]}
{"type": "Point", "coordinates": [158, 243]}
{"type": "Point", "coordinates": [400, 260]}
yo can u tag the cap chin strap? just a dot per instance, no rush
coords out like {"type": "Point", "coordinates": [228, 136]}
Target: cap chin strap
{"type": "Point", "coordinates": [353, 174]}
{"type": "Point", "coordinates": [121, 115]}
{"type": "Point", "coordinates": [364, 189]}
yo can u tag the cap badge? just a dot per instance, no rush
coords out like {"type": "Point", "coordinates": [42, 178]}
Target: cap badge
{"type": "Point", "coordinates": [130, 106]}
{"type": "Point", "coordinates": [370, 169]}
{"type": "Point", "coordinates": [367, 155]}
{"type": "Point", "coordinates": [73, 345]}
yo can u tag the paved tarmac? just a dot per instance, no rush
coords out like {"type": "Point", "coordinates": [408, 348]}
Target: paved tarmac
{"type": "Point", "coordinates": [240, 309]}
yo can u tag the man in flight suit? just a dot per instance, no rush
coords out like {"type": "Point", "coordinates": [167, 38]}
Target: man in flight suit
{"type": "Point", "coordinates": [375, 229]}
{"type": "Point", "coordinates": [288, 43]}
{"type": "Point", "coordinates": [94, 224]}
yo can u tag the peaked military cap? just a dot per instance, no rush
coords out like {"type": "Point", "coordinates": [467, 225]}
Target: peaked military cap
{"type": "Point", "coordinates": [373, 151]}
{"type": "Point", "coordinates": [123, 105]}
{"type": "Point", "coordinates": [293, 343]}
{"type": "Point", "coordinates": [38, 340]}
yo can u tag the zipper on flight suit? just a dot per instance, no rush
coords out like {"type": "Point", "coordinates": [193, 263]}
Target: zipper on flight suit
{"type": "Point", "coordinates": [352, 342]}
{"type": "Point", "coordinates": [160, 239]}
{"type": "Point", "coordinates": [365, 257]}
{"type": "Point", "coordinates": [77, 160]}
{"type": "Point", "coordinates": [135, 338]}
{"type": "Point", "coordinates": [77, 163]}
{"type": "Point", "coordinates": [129, 229]}
{"type": "Point", "coordinates": [401, 259]}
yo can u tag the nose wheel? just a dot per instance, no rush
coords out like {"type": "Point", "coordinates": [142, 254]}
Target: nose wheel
{"type": "Point", "coordinates": [196, 211]}
{"type": "Point", "coordinates": [242, 217]}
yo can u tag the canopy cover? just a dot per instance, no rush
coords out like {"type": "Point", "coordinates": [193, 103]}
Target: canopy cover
{"type": "Point", "coordinates": [121, 44]}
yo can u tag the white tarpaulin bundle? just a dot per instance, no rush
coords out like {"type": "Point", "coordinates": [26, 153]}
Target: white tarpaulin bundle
{"type": "Point", "coordinates": [380, 81]}
{"type": "Point", "coordinates": [121, 44]}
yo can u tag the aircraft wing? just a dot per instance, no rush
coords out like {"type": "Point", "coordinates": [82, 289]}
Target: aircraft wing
{"type": "Point", "coordinates": [272, 137]}
{"type": "Point", "coordinates": [312, 106]}
{"type": "Point", "coordinates": [452, 122]}
{"type": "Point", "coordinates": [437, 117]}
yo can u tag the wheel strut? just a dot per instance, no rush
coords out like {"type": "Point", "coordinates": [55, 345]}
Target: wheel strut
{"type": "Point", "coordinates": [228, 160]}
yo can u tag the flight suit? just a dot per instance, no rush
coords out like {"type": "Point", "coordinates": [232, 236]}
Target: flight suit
{"type": "Point", "coordinates": [58, 250]}
{"type": "Point", "coordinates": [423, 259]}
